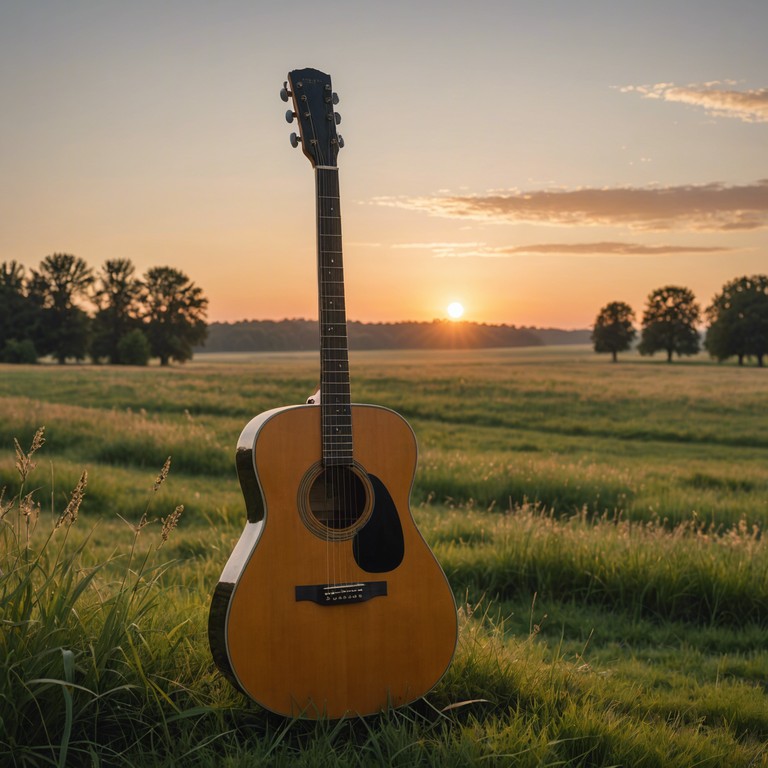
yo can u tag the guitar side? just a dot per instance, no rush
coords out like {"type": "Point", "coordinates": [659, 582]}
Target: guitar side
{"type": "Point", "coordinates": [293, 652]}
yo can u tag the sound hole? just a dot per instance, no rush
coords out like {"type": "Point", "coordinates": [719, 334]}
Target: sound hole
{"type": "Point", "coordinates": [336, 501]}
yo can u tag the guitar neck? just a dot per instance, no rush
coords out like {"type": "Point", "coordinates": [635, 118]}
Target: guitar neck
{"type": "Point", "coordinates": [335, 399]}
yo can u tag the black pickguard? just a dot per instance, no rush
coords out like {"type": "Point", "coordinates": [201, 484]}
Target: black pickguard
{"type": "Point", "coordinates": [379, 546]}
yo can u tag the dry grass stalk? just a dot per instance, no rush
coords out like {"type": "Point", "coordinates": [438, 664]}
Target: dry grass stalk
{"type": "Point", "coordinates": [169, 523]}
{"type": "Point", "coordinates": [5, 506]}
{"type": "Point", "coordinates": [24, 463]}
{"type": "Point", "coordinates": [138, 527]}
{"type": "Point", "coordinates": [163, 474]}
{"type": "Point", "coordinates": [69, 515]}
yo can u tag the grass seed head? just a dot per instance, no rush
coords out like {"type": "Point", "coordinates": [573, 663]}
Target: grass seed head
{"type": "Point", "coordinates": [24, 463]}
{"type": "Point", "coordinates": [69, 515]}
{"type": "Point", "coordinates": [163, 474]}
{"type": "Point", "coordinates": [170, 522]}
{"type": "Point", "coordinates": [30, 509]}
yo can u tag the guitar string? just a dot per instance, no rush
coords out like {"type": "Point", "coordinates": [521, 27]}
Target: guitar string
{"type": "Point", "coordinates": [339, 412]}
{"type": "Point", "coordinates": [336, 418]}
{"type": "Point", "coordinates": [329, 345]}
{"type": "Point", "coordinates": [329, 420]}
{"type": "Point", "coordinates": [336, 371]}
{"type": "Point", "coordinates": [330, 564]}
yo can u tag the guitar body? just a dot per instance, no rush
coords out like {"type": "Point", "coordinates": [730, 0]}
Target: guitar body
{"type": "Point", "coordinates": [317, 618]}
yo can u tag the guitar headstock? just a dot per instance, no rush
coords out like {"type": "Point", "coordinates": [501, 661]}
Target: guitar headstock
{"type": "Point", "coordinates": [313, 103]}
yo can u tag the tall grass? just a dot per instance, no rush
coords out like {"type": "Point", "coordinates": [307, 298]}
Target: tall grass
{"type": "Point", "coordinates": [564, 429]}
{"type": "Point", "coordinates": [104, 659]}
{"type": "Point", "coordinates": [611, 582]}
{"type": "Point", "coordinates": [73, 671]}
{"type": "Point", "coordinates": [693, 573]}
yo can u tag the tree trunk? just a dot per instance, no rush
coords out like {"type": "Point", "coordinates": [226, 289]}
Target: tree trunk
{"type": "Point", "coordinates": [741, 359]}
{"type": "Point", "coordinates": [669, 355]}
{"type": "Point", "coordinates": [613, 353]}
{"type": "Point", "coordinates": [760, 361]}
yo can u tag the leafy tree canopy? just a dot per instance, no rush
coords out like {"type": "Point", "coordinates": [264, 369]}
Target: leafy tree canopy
{"type": "Point", "coordinates": [174, 314]}
{"type": "Point", "coordinates": [614, 331]}
{"type": "Point", "coordinates": [63, 278]}
{"type": "Point", "coordinates": [56, 287]}
{"type": "Point", "coordinates": [43, 311]}
{"type": "Point", "coordinates": [117, 293]}
{"type": "Point", "coordinates": [17, 319]}
{"type": "Point", "coordinates": [738, 318]}
{"type": "Point", "coordinates": [669, 322]}
{"type": "Point", "coordinates": [133, 348]}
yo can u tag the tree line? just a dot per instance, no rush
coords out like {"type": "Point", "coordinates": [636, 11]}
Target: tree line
{"type": "Point", "coordinates": [45, 312]}
{"type": "Point", "coordinates": [302, 334]}
{"type": "Point", "coordinates": [737, 323]}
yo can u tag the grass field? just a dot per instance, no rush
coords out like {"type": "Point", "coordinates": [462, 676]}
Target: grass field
{"type": "Point", "coordinates": [601, 526]}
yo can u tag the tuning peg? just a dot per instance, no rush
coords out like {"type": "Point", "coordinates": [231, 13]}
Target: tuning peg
{"type": "Point", "coordinates": [335, 98]}
{"type": "Point", "coordinates": [289, 115]}
{"type": "Point", "coordinates": [295, 140]}
{"type": "Point", "coordinates": [341, 141]}
{"type": "Point", "coordinates": [285, 94]}
{"type": "Point", "coordinates": [337, 117]}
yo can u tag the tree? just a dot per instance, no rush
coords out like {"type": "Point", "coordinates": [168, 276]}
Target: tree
{"type": "Point", "coordinates": [738, 320]}
{"type": "Point", "coordinates": [133, 348]}
{"type": "Point", "coordinates": [116, 295]}
{"type": "Point", "coordinates": [669, 322]}
{"type": "Point", "coordinates": [174, 314]}
{"type": "Point", "coordinates": [61, 280]}
{"type": "Point", "coordinates": [15, 351]}
{"type": "Point", "coordinates": [19, 319]}
{"type": "Point", "coordinates": [11, 299]}
{"type": "Point", "coordinates": [614, 330]}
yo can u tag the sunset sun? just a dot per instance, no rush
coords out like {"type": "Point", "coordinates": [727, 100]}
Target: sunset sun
{"type": "Point", "coordinates": [455, 310]}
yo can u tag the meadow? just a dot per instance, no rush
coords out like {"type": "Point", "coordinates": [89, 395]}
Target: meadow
{"type": "Point", "coordinates": [601, 526]}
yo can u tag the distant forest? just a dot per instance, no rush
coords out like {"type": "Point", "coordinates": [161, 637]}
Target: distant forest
{"type": "Point", "coordinates": [299, 334]}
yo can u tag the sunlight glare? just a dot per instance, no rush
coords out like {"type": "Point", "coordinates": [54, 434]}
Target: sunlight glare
{"type": "Point", "coordinates": [455, 310]}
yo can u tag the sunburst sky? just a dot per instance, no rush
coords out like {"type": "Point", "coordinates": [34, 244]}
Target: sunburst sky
{"type": "Point", "coordinates": [532, 161]}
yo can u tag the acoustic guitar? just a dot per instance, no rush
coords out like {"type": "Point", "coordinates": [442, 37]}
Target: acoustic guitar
{"type": "Point", "coordinates": [331, 603]}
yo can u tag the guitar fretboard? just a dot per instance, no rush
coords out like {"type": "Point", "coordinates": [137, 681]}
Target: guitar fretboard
{"type": "Point", "coordinates": [335, 401]}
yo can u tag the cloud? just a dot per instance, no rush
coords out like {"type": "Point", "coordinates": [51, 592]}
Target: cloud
{"type": "Point", "coordinates": [614, 248]}
{"type": "Point", "coordinates": [705, 207]}
{"type": "Point", "coordinates": [481, 250]}
{"type": "Point", "coordinates": [749, 106]}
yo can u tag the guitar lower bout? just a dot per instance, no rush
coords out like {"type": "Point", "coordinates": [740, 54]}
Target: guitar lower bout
{"type": "Point", "coordinates": [332, 603]}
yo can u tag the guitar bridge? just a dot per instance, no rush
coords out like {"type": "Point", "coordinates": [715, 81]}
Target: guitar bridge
{"type": "Point", "coordinates": [341, 594]}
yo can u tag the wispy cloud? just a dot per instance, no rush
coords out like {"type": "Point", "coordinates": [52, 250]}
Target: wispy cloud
{"type": "Point", "coordinates": [607, 248]}
{"type": "Point", "coordinates": [615, 249]}
{"type": "Point", "coordinates": [449, 250]}
{"type": "Point", "coordinates": [716, 97]}
{"type": "Point", "coordinates": [703, 207]}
